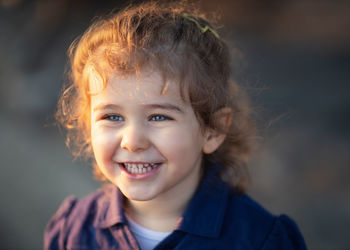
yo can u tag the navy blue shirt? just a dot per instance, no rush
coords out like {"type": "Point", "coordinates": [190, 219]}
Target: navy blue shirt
{"type": "Point", "coordinates": [215, 218]}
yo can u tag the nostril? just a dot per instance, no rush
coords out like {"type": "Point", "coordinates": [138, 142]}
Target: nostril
{"type": "Point", "coordinates": [134, 139]}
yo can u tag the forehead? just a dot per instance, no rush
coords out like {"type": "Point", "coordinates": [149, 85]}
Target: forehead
{"type": "Point", "coordinates": [144, 86]}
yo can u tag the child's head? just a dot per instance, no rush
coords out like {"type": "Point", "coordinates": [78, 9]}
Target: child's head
{"type": "Point", "coordinates": [171, 47]}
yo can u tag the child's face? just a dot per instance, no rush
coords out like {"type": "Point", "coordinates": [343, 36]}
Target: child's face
{"type": "Point", "coordinates": [147, 143]}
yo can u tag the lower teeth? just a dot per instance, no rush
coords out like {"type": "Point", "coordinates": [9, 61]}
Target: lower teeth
{"type": "Point", "coordinates": [143, 170]}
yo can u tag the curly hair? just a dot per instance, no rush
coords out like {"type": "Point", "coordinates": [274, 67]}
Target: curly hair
{"type": "Point", "coordinates": [161, 36]}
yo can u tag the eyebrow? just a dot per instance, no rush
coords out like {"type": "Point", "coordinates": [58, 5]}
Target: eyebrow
{"type": "Point", "coordinates": [103, 106]}
{"type": "Point", "coordinates": [166, 106]}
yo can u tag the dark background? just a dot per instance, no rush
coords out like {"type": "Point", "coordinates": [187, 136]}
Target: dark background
{"type": "Point", "coordinates": [292, 57]}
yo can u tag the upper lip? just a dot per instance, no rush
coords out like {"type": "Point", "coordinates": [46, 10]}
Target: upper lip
{"type": "Point", "coordinates": [138, 162]}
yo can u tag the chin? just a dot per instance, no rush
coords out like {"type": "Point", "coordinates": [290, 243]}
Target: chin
{"type": "Point", "coordinates": [138, 195]}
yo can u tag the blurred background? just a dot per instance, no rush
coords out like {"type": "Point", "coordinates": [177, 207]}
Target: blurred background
{"type": "Point", "coordinates": [291, 56]}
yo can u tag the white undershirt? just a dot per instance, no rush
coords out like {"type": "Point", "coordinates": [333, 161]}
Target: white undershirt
{"type": "Point", "coordinates": [146, 238]}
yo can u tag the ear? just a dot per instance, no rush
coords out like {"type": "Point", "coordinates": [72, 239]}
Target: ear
{"type": "Point", "coordinates": [215, 137]}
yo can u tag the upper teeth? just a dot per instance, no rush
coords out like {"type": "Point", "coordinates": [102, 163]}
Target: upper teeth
{"type": "Point", "coordinates": [138, 168]}
{"type": "Point", "coordinates": [138, 165]}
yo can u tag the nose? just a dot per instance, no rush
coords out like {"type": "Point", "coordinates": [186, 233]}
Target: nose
{"type": "Point", "coordinates": [134, 138]}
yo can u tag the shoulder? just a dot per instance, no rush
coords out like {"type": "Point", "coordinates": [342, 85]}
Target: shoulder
{"type": "Point", "coordinates": [73, 218]}
{"type": "Point", "coordinates": [256, 228]}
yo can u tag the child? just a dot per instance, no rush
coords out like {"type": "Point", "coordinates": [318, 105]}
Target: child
{"type": "Point", "coordinates": [152, 103]}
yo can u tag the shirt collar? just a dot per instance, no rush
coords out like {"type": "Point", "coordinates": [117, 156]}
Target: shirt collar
{"type": "Point", "coordinates": [110, 209]}
{"type": "Point", "coordinates": [205, 213]}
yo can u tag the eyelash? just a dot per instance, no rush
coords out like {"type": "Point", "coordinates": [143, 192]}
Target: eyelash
{"type": "Point", "coordinates": [160, 118]}
{"type": "Point", "coordinates": [109, 117]}
{"type": "Point", "coordinates": [156, 117]}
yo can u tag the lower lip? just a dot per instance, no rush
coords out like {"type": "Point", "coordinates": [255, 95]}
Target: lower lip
{"type": "Point", "coordinates": [139, 176]}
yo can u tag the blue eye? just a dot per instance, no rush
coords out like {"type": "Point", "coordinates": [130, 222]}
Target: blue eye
{"type": "Point", "coordinates": [159, 118]}
{"type": "Point", "coordinates": [115, 118]}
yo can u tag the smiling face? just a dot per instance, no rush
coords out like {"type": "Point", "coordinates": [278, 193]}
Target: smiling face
{"type": "Point", "coordinates": [147, 143]}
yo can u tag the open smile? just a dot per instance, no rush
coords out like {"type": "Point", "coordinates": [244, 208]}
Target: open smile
{"type": "Point", "coordinates": [139, 170]}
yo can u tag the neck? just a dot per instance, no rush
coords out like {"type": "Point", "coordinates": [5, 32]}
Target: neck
{"type": "Point", "coordinates": [163, 212]}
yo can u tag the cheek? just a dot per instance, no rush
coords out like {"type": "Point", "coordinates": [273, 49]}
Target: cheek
{"type": "Point", "coordinates": [103, 144]}
{"type": "Point", "coordinates": [181, 144]}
